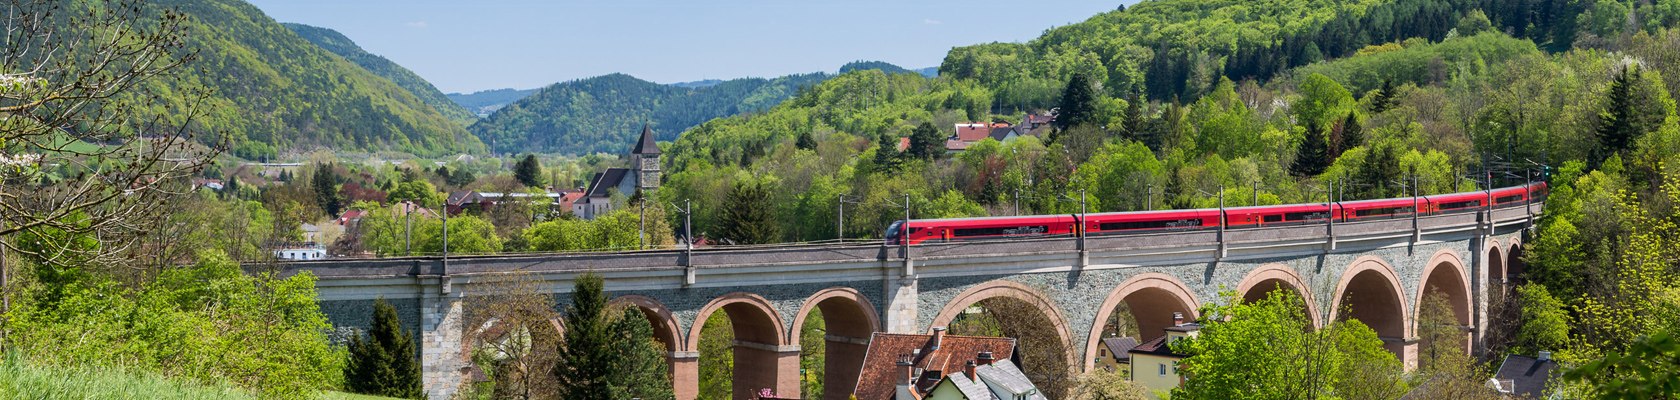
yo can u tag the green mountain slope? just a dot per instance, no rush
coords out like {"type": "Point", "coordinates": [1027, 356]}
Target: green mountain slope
{"type": "Point", "coordinates": [603, 114]}
{"type": "Point", "coordinates": [1178, 49]}
{"type": "Point", "coordinates": [274, 92]}
{"type": "Point", "coordinates": [484, 102]}
{"type": "Point", "coordinates": [337, 43]}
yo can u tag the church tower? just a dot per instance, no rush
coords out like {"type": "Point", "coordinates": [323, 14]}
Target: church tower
{"type": "Point", "coordinates": [644, 158]}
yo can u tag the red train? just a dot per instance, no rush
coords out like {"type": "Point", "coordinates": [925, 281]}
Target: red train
{"type": "Point", "coordinates": [1042, 226]}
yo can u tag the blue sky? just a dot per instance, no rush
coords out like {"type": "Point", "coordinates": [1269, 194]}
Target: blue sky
{"type": "Point", "coordinates": [464, 46]}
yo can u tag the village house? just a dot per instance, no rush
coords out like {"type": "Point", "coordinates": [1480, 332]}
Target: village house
{"type": "Point", "coordinates": [907, 366]}
{"type": "Point", "coordinates": [1115, 353]}
{"type": "Point", "coordinates": [1154, 364]}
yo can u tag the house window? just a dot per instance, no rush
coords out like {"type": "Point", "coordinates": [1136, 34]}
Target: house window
{"type": "Point", "coordinates": [1163, 369]}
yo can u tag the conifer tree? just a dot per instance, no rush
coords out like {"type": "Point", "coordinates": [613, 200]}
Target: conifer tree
{"type": "Point", "coordinates": [325, 183]}
{"type": "Point", "coordinates": [1311, 158]}
{"type": "Point", "coordinates": [641, 364]}
{"type": "Point", "coordinates": [1078, 104]}
{"type": "Point", "coordinates": [1383, 100]}
{"type": "Point", "coordinates": [529, 171]}
{"type": "Point", "coordinates": [807, 141]}
{"type": "Point", "coordinates": [749, 218]}
{"type": "Point", "coordinates": [608, 353]}
{"type": "Point", "coordinates": [1134, 118]}
{"type": "Point", "coordinates": [587, 354]}
{"type": "Point", "coordinates": [925, 142]}
{"type": "Point", "coordinates": [384, 364]}
{"type": "Point", "coordinates": [1616, 130]}
{"type": "Point", "coordinates": [886, 153]}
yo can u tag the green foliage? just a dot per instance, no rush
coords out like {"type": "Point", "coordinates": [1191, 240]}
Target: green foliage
{"type": "Point", "coordinates": [1078, 104]}
{"type": "Point", "coordinates": [640, 370]}
{"type": "Point", "coordinates": [386, 363]}
{"type": "Point", "coordinates": [616, 230]}
{"type": "Point", "coordinates": [325, 183]}
{"type": "Point", "coordinates": [608, 353]}
{"type": "Point", "coordinates": [603, 114]}
{"type": "Point", "coordinates": [717, 357]}
{"type": "Point", "coordinates": [21, 381]}
{"type": "Point", "coordinates": [337, 43]}
{"type": "Point", "coordinates": [383, 234]}
{"type": "Point", "coordinates": [1545, 323]}
{"type": "Point", "coordinates": [1648, 369]}
{"type": "Point", "coordinates": [926, 142]}
{"type": "Point", "coordinates": [528, 171]}
{"type": "Point", "coordinates": [1313, 155]}
{"type": "Point", "coordinates": [1322, 102]}
{"type": "Point", "coordinates": [748, 218]}
{"type": "Point", "coordinates": [1271, 341]}
{"type": "Point", "coordinates": [272, 91]}
{"type": "Point", "coordinates": [420, 192]}
{"type": "Point", "coordinates": [206, 323]}
{"type": "Point", "coordinates": [588, 354]}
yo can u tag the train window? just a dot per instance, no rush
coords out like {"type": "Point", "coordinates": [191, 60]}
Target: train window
{"type": "Point", "coordinates": [1305, 216]}
{"type": "Point", "coordinates": [1123, 226]}
{"type": "Point", "coordinates": [1507, 199]}
{"type": "Point", "coordinates": [1382, 211]}
{"type": "Point", "coordinates": [1461, 204]}
{"type": "Point", "coordinates": [1008, 230]}
{"type": "Point", "coordinates": [1272, 218]}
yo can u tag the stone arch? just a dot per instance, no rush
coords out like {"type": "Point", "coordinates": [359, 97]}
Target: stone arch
{"type": "Point", "coordinates": [1011, 290]}
{"type": "Point", "coordinates": [850, 320]}
{"type": "Point", "coordinates": [1267, 277]}
{"type": "Point", "coordinates": [1147, 291]}
{"type": "Point", "coordinates": [762, 359]}
{"type": "Point", "coordinates": [1497, 270]}
{"type": "Point", "coordinates": [665, 328]}
{"type": "Point", "coordinates": [1445, 274]}
{"type": "Point", "coordinates": [1514, 266]}
{"type": "Point", "coordinates": [1370, 292]}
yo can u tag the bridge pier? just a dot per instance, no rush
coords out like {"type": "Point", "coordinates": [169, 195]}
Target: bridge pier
{"type": "Point", "coordinates": [685, 374]}
{"type": "Point", "coordinates": [902, 300]}
{"type": "Point", "coordinates": [766, 367]}
{"type": "Point", "coordinates": [442, 358]}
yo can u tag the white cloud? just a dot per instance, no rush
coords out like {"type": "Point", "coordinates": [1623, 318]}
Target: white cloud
{"type": "Point", "coordinates": [417, 24]}
{"type": "Point", "coordinates": [931, 21]}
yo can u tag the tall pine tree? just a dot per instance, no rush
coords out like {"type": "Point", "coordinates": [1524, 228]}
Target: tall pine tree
{"type": "Point", "coordinates": [1078, 104]}
{"type": "Point", "coordinates": [608, 353]}
{"type": "Point", "coordinates": [385, 363]}
{"type": "Point", "coordinates": [749, 218]}
{"type": "Point", "coordinates": [1616, 129]}
{"type": "Point", "coordinates": [1311, 158]}
{"type": "Point", "coordinates": [588, 354]}
{"type": "Point", "coordinates": [325, 183]}
{"type": "Point", "coordinates": [926, 143]}
{"type": "Point", "coordinates": [528, 171]}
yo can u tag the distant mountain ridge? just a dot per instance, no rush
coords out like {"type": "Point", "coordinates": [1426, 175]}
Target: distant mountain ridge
{"type": "Point", "coordinates": [603, 114]}
{"type": "Point", "coordinates": [484, 102]}
{"type": "Point", "coordinates": [274, 92]}
{"type": "Point", "coordinates": [341, 45]}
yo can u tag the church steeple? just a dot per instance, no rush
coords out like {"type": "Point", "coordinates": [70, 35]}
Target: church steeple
{"type": "Point", "coordinates": [644, 158]}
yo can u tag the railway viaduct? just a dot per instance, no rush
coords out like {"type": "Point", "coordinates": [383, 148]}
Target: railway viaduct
{"type": "Point", "coordinates": [1373, 271]}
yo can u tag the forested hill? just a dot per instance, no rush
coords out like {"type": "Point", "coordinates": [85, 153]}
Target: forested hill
{"type": "Point", "coordinates": [488, 101]}
{"type": "Point", "coordinates": [1164, 50]}
{"type": "Point", "coordinates": [273, 91]}
{"type": "Point", "coordinates": [603, 114]}
{"type": "Point", "coordinates": [337, 43]}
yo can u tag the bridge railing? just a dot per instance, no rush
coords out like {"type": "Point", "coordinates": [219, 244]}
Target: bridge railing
{"type": "Point", "coordinates": [717, 257]}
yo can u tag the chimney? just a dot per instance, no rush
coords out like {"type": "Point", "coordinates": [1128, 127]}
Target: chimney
{"type": "Point", "coordinates": [968, 370]}
{"type": "Point", "coordinates": [985, 358]}
{"type": "Point", "coordinates": [904, 369]}
{"type": "Point", "coordinates": [1545, 356]}
{"type": "Point", "coordinates": [938, 337]}
{"type": "Point", "coordinates": [1178, 319]}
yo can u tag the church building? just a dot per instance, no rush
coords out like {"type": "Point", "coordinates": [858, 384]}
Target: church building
{"type": "Point", "coordinates": [643, 175]}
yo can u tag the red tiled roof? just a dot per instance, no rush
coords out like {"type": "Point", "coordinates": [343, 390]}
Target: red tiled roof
{"type": "Point", "coordinates": [973, 132]}
{"type": "Point", "coordinates": [880, 364]}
